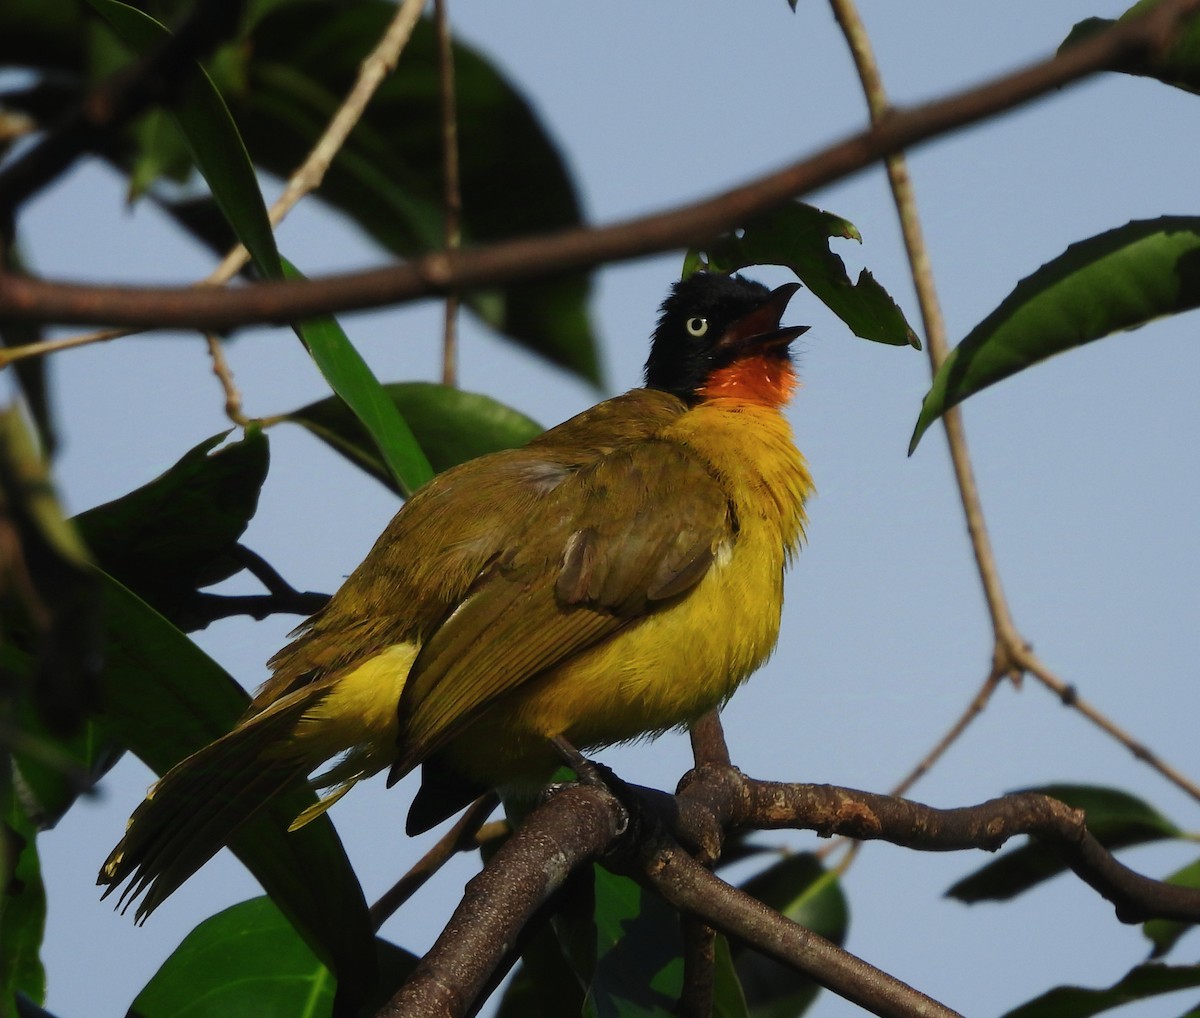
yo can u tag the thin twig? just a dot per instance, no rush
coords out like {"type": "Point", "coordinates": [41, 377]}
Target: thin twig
{"type": "Point", "coordinates": [1071, 698]}
{"type": "Point", "coordinates": [307, 178]}
{"type": "Point", "coordinates": [935, 329]}
{"type": "Point", "coordinates": [978, 702]}
{"type": "Point", "coordinates": [459, 838]}
{"type": "Point", "coordinates": [580, 248]}
{"type": "Point", "coordinates": [451, 187]}
{"type": "Point", "coordinates": [221, 368]}
{"type": "Point", "coordinates": [1011, 655]}
{"type": "Point", "coordinates": [40, 349]}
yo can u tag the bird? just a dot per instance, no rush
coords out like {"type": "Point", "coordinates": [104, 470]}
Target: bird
{"type": "Point", "coordinates": [617, 577]}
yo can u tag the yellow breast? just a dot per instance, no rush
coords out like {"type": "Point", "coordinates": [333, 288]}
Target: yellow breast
{"type": "Point", "coordinates": [671, 666]}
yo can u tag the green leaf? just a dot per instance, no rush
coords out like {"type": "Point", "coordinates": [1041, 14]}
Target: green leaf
{"type": "Point", "coordinates": [53, 769]}
{"type": "Point", "coordinates": [729, 999]}
{"type": "Point", "coordinates": [513, 179]}
{"type": "Point", "coordinates": [249, 961]}
{"type": "Point", "coordinates": [164, 698]}
{"type": "Point", "coordinates": [1141, 983]}
{"type": "Point", "coordinates": [544, 985]}
{"type": "Point", "coordinates": [22, 901]}
{"type": "Point", "coordinates": [802, 889]}
{"type": "Point", "coordinates": [639, 952]}
{"type": "Point", "coordinates": [48, 599]}
{"type": "Point", "coordinates": [1164, 933]}
{"type": "Point", "coordinates": [1179, 65]}
{"type": "Point", "coordinates": [222, 159]}
{"type": "Point", "coordinates": [797, 236]}
{"type": "Point", "coordinates": [1115, 818]}
{"type": "Point", "coordinates": [179, 533]}
{"type": "Point", "coordinates": [246, 960]}
{"type": "Point", "coordinates": [350, 377]}
{"type": "Point", "coordinates": [451, 426]}
{"type": "Point", "coordinates": [1117, 280]}
{"type": "Point", "coordinates": [160, 152]}
{"type": "Point", "coordinates": [208, 128]}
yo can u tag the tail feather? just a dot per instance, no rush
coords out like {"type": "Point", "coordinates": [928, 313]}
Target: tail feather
{"type": "Point", "coordinates": [198, 805]}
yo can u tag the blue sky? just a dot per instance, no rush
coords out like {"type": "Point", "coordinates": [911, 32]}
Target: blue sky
{"type": "Point", "coordinates": [1087, 465]}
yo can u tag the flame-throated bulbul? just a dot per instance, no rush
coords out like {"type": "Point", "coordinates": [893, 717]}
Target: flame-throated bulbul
{"type": "Point", "coordinates": [618, 576]}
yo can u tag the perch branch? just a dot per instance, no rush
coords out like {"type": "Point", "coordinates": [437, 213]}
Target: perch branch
{"type": "Point", "coordinates": [642, 835]}
{"type": "Point", "coordinates": [574, 826]}
{"type": "Point", "coordinates": [828, 810]}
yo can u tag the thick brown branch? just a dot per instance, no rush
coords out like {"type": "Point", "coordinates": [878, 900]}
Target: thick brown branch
{"type": "Point", "coordinates": [695, 891]}
{"type": "Point", "coordinates": [828, 810]}
{"type": "Point", "coordinates": [699, 969]}
{"type": "Point", "coordinates": [581, 823]}
{"type": "Point", "coordinates": [572, 827]}
{"type": "Point", "coordinates": [509, 261]}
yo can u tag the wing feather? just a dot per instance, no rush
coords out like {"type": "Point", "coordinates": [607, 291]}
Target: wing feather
{"type": "Point", "coordinates": [624, 535]}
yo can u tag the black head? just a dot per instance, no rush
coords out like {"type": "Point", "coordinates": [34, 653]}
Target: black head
{"type": "Point", "coordinates": [707, 322]}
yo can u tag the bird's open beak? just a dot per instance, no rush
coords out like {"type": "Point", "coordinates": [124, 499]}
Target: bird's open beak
{"type": "Point", "coordinates": [760, 330]}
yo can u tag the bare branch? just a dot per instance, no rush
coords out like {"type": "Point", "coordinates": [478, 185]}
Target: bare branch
{"type": "Point", "coordinates": [691, 888]}
{"type": "Point", "coordinates": [828, 809]}
{"type": "Point", "coordinates": [224, 373]}
{"type": "Point", "coordinates": [699, 961]}
{"type": "Point", "coordinates": [1011, 655]}
{"type": "Point", "coordinates": [641, 835]}
{"type": "Point", "coordinates": [460, 838]}
{"type": "Point", "coordinates": [508, 261]}
{"type": "Point", "coordinates": [1070, 697]}
{"type": "Point", "coordinates": [574, 826]}
{"type": "Point", "coordinates": [937, 345]}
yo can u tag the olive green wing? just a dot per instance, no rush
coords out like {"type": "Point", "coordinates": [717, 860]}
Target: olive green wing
{"type": "Point", "coordinates": [616, 540]}
{"type": "Point", "coordinates": [433, 551]}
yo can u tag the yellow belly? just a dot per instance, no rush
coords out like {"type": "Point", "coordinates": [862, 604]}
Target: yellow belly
{"type": "Point", "coordinates": [663, 670]}
{"type": "Point", "coordinates": [670, 667]}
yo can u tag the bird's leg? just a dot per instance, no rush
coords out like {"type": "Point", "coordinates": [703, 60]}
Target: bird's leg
{"type": "Point", "coordinates": [589, 773]}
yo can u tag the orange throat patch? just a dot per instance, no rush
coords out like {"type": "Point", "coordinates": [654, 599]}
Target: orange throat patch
{"type": "Point", "coordinates": [762, 379]}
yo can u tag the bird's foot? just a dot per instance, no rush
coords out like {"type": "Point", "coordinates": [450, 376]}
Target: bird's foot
{"type": "Point", "coordinates": [587, 771]}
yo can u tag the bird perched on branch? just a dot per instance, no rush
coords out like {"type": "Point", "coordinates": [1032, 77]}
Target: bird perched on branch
{"type": "Point", "coordinates": [618, 576]}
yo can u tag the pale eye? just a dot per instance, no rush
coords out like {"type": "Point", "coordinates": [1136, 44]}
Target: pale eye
{"type": "Point", "coordinates": [697, 326]}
